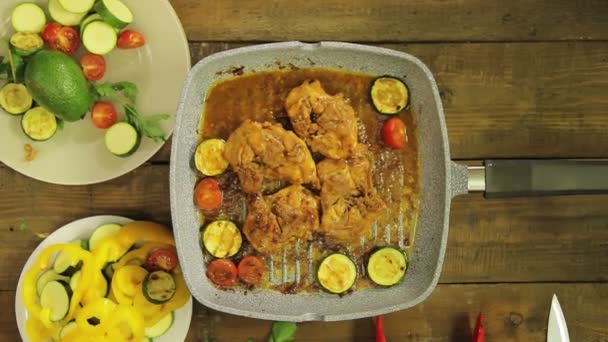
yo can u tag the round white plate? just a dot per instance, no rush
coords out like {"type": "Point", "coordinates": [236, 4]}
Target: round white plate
{"type": "Point", "coordinates": [76, 155]}
{"type": "Point", "coordinates": [82, 229]}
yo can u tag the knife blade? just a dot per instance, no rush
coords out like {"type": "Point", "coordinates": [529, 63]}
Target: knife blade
{"type": "Point", "coordinates": [557, 330]}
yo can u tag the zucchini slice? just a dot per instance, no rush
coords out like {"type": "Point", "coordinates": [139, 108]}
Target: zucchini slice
{"type": "Point", "coordinates": [159, 287]}
{"type": "Point", "coordinates": [222, 239]}
{"type": "Point", "coordinates": [47, 277]}
{"type": "Point", "coordinates": [84, 244]}
{"type": "Point", "coordinates": [74, 280]}
{"type": "Point", "coordinates": [121, 139]}
{"type": "Point", "coordinates": [99, 37]}
{"type": "Point", "coordinates": [28, 17]}
{"type": "Point", "coordinates": [55, 296]}
{"type": "Point", "coordinates": [389, 95]}
{"type": "Point", "coordinates": [91, 18]}
{"type": "Point", "coordinates": [39, 124]}
{"type": "Point", "coordinates": [64, 265]}
{"type": "Point", "coordinates": [386, 266]}
{"type": "Point", "coordinates": [26, 43]}
{"type": "Point", "coordinates": [115, 13]}
{"type": "Point", "coordinates": [15, 98]}
{"type": "Point", "coordinates": [102, 232]}
{"type": "Point", "coordinates": [161, 327]}
{"type": "Point", "coordinates": [64, 17]}
{"type": "Point", "coordinates": [66, 329]}
{"type": "Point", "coordinates": [77, 6]}
{"type": "Point", "coordinates": [337, 273]}
{"type": "Point", "coordinates": [209, 157]}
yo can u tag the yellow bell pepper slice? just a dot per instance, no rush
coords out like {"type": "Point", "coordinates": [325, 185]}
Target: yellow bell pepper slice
{"type": "Point", "coordinates": [126, 282]}
{"type": "Point", "coordinates": [131, 233]}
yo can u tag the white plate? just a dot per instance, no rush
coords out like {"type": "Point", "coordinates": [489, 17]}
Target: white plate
{"type": "Point", "coordinates": [76, 155]}
{"type": "Point", "coordinates": [82, 229]}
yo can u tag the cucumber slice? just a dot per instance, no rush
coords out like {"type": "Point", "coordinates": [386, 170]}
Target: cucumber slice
{"type": "Point", "coordinates": [66, 329]}
{"type": "Point", "coordinates": [15, 98]}
{"type": "Point", "coordinates": [99, 37]}
{"type": "Point", "coordinates": [102, 232]}
{"type": "Point", "coordinates": [39, 124]}
{"type": "Point", "coordinates": [17, 66]}
{"type": "Point", "coordinates": [159, 287]}
{"type": "Point", "coordinates": [26, 43]}
{"type": "Point", "coordinates": [47, 277]}
{"type": "Point", "coordinates": [337, 273]}
{"type": "Point", "coordinates": [60, 15]}
{"type": "Point", "coordinates": [115, 13]}
{"type": "Point", "coordinates": [209, 157]}
{"type": "Point", "coordinates": [28, 17]}
{"type": "Point", "coordinates": [55, 296]}
{"type": "Point", "coordinates": [386, 266]}
{"type": "Point", "coordinates": [121, 139]}
{"type": "Point", "coordinates": [161, 327]}
{"type": "Point", "coordinates": [389, 95]}
{"type": "Point", "coordinates": [77, 6]}
{"type": "Point", "coordinates": [222, 239]}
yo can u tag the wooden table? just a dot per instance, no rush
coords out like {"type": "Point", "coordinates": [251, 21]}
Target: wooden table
{"type": "Point", "coordinates": [518, 79]}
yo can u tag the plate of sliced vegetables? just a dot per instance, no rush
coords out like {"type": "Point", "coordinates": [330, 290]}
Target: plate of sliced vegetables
{"type": "Point", "coordinates": [87, 96]}
{"type": "Point", "coordinates": [99, 273]}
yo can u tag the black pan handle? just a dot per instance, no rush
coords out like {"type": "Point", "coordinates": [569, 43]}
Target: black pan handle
{"type": "Point", "coordinates": [501, 178]}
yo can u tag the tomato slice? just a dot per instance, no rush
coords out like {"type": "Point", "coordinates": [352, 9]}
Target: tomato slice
{"type": "Point", "coordinates": [129, 39]}
{"type": "Point", "coordinates": [208, 195]}
{"type": "Point", "coordinates": [93, 66]}
{"type": "Point", "coordinates": [49, 34]}
{"type": "Point", "coordinates": [161, 259]}
{"type": "Point", "coordinates": [222, 272]}
{"type": "Point", "coordinates": [252, 270]}
{"type": "Point", "coordinates": [67, 41]}
{"type": "Point", "coordinates": [393, 133]}
{"type": "Point", "coordinates": [103, 115]}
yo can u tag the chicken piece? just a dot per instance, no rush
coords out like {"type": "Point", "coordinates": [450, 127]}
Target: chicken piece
{"type": "Point", "coordinates": [348, 199]}
{"type": "Point", "coordinates": [327, 123]}
{"type": "Point", "coordinates": [280, 219]}
{"type": "Point", "coordinates": [264, 151]}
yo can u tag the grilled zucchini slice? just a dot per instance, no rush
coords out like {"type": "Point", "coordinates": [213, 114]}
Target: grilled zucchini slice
{"type": "Point", "coordinates": [389, 95]}
{"type": "Point", "coordinates": [337, 273]}
{"type": "Point", "coordinates": [222, 239]}
{"type": "Point", "coordinates": [209, 157]}
{"type": "Point", "coordinates": [387, 266]}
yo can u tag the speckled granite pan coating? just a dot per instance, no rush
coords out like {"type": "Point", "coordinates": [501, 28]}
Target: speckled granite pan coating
{"type": "Point", "coordinates": [441, 180]}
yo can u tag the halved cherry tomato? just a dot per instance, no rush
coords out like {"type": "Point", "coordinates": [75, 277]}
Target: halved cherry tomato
{"type": "Point", "coordinates": [251, 270]}
{"type": "Point", "coordinates": [393, 133]}
{"type": "Point", "coordinates": [208, 195]}
{"type": "Point", "coordinates": [162, 259]}
{"type": "Point", "coordinates": [103, 115]}
{"type": "Point", "coordinates": [67, 41]}
{"type": "Point", "coordinates": [49, 34]}
{"type": "Point", "coordinates": [129, 39]}
{"type": "Point", "coordinates": [222, 272]}
{"type": "Point", "coordinates": [93, 66]}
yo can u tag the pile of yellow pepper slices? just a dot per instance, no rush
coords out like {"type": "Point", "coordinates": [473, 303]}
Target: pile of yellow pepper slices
{"type": "Point", "coordinates": [124, 315]}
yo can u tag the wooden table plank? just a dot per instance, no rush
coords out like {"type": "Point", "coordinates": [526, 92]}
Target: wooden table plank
{"type": "Point", "coordinates": [511, 100]}
{"type": "Point", "coordinates": [518, 240]}
{"type": "Point", "coordinates": [513, 312]}
{"type": "Point", "coordinates": [392, 20]}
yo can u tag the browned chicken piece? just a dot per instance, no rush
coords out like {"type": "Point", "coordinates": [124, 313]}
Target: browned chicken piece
{"type": "Point", "coordinates": [280, 219]}
{"type": "Point", "coordinates": [264, 151]}
{"type": "Point", "coordinates": [348, 199]}
{"type": "Point", "coordinates": [327, 123]}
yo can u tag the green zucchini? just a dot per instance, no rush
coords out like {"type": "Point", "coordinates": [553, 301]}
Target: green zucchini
{"type": "Point", "coordinates": [99, 38]}
{"type": "Point", "coordinates": [66, 329]}
{"type": "Point", "coordinates": [122, 139]}
{"type": "Point", "coordinates": [337, 273]}
{"type": "Point", "coordinates": [389, 95]}
{"type": "Point", "coordinates": [64, 17]}
{"type": "Point", "coordinates": [102, 232]}
{"type": "Point", "coordinates": [209, 157]}
{"type": "Point", "coordinates": [115, 13]}
{"type": "Point", "coordinates": [161, 327]}
{"type": "Point", "coordinates": [28, 17]}
{"type": "Point", "coordinates": [15, 99]}
{"type": "Point", "coordinates": [46, 277]}
{"type": "Point", "coordinates": [159, 287]}
{"type": "Point", "coordinates": [387, 266]}
{"type": "Point", "coordinates": [222, 239]}
{"type": "Point", "coordinates": [26, 43]}
{"type": "Point", "coordinates": [39, 124]}
{"type": "Point", "coordinates": [55, 296]}
{"type": "Point", "coordinates": [91, 18]}
{"type": "Point", "coordinates": [77, 6]}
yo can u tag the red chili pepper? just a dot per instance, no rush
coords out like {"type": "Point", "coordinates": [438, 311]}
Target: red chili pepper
{"type": "Point", "coordinates": [379, 330]}
{"type": "Point", "coordinates": [479, 333]}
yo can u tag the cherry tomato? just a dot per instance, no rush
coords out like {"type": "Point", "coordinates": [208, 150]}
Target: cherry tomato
{"type": "Point", "coordinates": [129, 39]}
{"type": "Point", "coordinates": [93, 66]}
{"type": "Point", "coordinates": [208, 195]}
{"type": "Point", "coordinates": [67, 41]}
{"type": "Point", "coordinates": [393, 133]}
{"type": "Point", "coordinates": [161, 259]}
{"type": "Point", "coordinates": [222, 272]}
{"type": "Point", "coordinates": [103, 115]}
{"type": "Point", "coordinates": [251, 270]}
{"type": "Point", "coordinates": [49, 34]}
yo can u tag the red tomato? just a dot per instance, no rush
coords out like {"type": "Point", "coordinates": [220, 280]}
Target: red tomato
{"type": "Point", "coordinates": [103, 115]}
{"type": "Point", "coordinates": [393, 133]}
{"type": "Point", "coordinates": [49, 34]}
{"type": "Point", "coordinates": [251, 270]}
{"type": "Point", "coordinates": [162, 259]}
{"type": "Point", "coordinates": [129, 39]}
{"type": "Point", "coordinates": [222, 272]}
{"type": "Point", "coordinates": [208, 195]}
{"type": "Point", "coordinates": [93, 66]}
{"type": "Point", "coordinates": [67, 41]}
